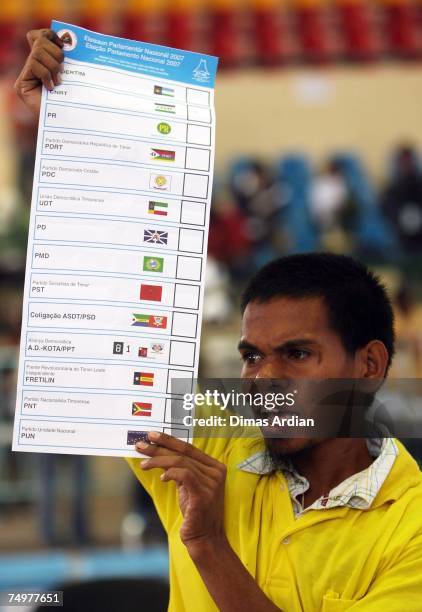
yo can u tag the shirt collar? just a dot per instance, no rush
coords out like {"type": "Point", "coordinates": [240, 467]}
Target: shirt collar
{"type": "Point", "coordinates": [357, 491]}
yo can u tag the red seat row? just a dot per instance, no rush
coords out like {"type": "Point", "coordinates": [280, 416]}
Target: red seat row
{"type": "Point", "coordinates": [315, 31]}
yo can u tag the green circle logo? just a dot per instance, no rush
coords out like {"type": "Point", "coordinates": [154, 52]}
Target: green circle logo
{"type": "Point", "coordinates": [164, 128]}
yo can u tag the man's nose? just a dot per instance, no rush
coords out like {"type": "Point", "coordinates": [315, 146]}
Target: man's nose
{"type": "Point", "coordinates": [272, 377]}
{"type": "Point", "coordinates": [269, 369]}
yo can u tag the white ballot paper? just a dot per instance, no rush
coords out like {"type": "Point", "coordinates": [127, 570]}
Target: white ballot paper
{"type": "Point", "coordinates": [117, 245]}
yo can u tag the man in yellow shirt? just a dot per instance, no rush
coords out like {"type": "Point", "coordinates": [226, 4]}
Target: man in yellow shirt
{"type": "Point", "coordinates": [292, 524]}
{"type": "Point", "coordinates": [296, 524]}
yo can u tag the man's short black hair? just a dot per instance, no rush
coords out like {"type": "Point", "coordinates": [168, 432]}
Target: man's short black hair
{"type": "Point", "coordinates": [358, 306]}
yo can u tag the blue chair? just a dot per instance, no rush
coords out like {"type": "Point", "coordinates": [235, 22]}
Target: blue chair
{"type": "Point", "coordinates": [295, 176]}
{"type": "Point", "coordinates": [373, 233]}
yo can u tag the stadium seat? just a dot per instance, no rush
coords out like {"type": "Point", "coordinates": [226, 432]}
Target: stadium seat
{"type": "Point", "coordinates": [269, 35]}
{"type": "Point", "coordinates": [295, 176]}
{"type": "Point", "coordinates": [313, 39]}
{"type": "Point", "coordinates": [373, 234]}
{"type": "Point", "coordinates": [356, 30]}
{"type": "Point", "coordinates": [401, 28]}
{"type": "Point", "coordinates": [223, 36]}
{"type": "Point", "coordinates": [178, 31]}
{"type": "Point", "coordinates": [133, 26]}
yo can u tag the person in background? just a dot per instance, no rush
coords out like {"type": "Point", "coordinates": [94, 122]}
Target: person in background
{"type": "Point", "coordinates": [260, 198]}
{"type": "Point", "coordinates": [408, 358]}
{"type": "Point", "coordinates": [332, 208]}
{"type": "Point", "coordinates": [408, 317]}
{"type": "Point", "coordinates": [229, 242]}
{"type": "Point", "coordinates": [401, 201]}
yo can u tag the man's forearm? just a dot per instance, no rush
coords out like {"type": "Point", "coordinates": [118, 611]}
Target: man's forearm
{"type": "Point", "coordinates": [229, 583]}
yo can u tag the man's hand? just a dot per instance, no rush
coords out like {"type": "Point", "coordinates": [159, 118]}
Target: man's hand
{"type": "Point", "coordinates": [200, 481]}
{"type": "Point", "coordinates": [42, 67]}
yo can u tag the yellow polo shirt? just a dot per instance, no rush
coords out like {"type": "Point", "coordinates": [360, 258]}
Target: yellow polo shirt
{"type": "Point", "coordinates": [328, 560]}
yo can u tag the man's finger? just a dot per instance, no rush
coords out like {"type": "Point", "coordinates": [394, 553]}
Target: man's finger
{"type": "Point", "coordinates": [33, 35]}
{"type": "Point", "coordinates": [42, 73]}
{"type": "Point", "coordinates": [152, 450]}
{"type": "Point", "coordinates": [204, 473]}
{"type": "Point", "coordinates": [52, 64]}
{"type": "Point", "coordinates": [43, 47]}
{"type": "Point", "coordinates": [181, 476]}
{"type": "Point", "coordinates": [160, 457]}
{"type": "Point", "coordinates": [179, 446]}
{"type": "Point", "coordinates": [51, 48]}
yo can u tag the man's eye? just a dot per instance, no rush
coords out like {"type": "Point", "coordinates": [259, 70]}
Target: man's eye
{"type": "Point", "coordinates": [250, 358]}
{"type": "Point", "coordinates": [298, 354]}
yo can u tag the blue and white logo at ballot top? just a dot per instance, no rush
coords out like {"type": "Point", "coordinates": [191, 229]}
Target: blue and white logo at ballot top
{"type": "Point", "coordinates": [201, 72]}
{"type": "Point", "coordinates": [69, 39]}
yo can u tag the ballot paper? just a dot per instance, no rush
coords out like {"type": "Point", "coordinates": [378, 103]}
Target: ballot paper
{"type": "Point", "coordinates": [117, 245]}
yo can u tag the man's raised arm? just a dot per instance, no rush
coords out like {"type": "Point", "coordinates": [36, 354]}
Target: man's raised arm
{"type": "Point", "coordinates": [42, 67]}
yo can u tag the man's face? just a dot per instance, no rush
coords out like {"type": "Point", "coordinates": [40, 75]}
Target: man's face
{"type": "Point", "coordinates": [291, 339]}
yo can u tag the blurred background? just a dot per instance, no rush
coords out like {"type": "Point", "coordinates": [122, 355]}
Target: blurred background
{"type": "Point", "coordinates": [319, 143]}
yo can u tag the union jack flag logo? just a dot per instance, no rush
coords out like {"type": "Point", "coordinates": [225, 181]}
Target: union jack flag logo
{"type": "Point", "coordinates": [156, 237]}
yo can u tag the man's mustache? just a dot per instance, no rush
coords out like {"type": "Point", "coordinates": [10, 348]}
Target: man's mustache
{"type": "Point", "coordinates": [262, 386]}
{"type": "Point", "coordinates": [282, 413]}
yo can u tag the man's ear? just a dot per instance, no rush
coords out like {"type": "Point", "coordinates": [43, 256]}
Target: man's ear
{"type": "Point", "coordinates": [373, 360]}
